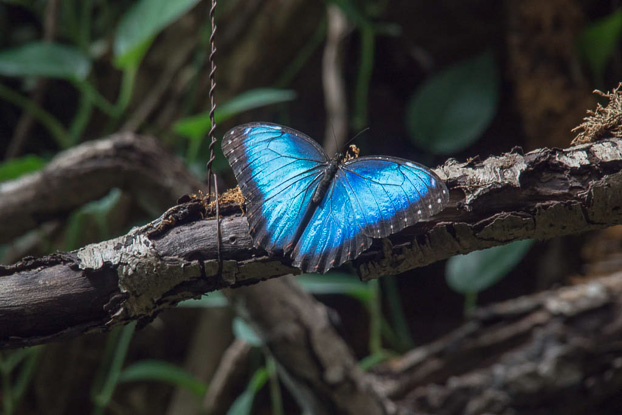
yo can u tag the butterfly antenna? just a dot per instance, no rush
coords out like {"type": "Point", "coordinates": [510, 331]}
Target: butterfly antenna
{"type": "Point", "coordinates": [356, 136]}
{"type": "Point", "coordinates": [332, 128]}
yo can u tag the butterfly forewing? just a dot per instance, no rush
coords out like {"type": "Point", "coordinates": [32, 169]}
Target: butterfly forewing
{"type": "Point", "coordinates": [278, 170]}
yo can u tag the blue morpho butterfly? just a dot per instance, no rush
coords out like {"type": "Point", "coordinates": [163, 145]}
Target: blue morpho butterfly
{"type": "Point", "coordinates": [323, 211]}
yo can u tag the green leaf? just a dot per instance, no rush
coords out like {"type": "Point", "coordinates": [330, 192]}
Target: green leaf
{"type": "Point", "coordinates": [335, 283]}
{"type": "Point", "coordinates": [12, 358]}
{"type": "Point", "coordinates": [140, 25]}
{"type": "Point", "coordinates": [161, 371]}
{"type": "Point", "coordinates": [197, 126]}
{"type": "Point", "coordinates": [353, 12]}
{"type": "Point", "coordinates": [599, 40]}
{"type": "Point", "coordinates": [376, 358]}
{"type": "Point", "coordinates": [50, 60]}
{"type": "Point", "coordinates": [243, 331]}
{"type": "Point", "coordinates": [478, 270]}
{"type": "Point", "coordinates": [115, 352]}
{"type": "Point", "coordinates": [255, 98]}
{"type": "Point", "coordinates": [243, 405]}
{"type": "Point", "coordinates": [102, 207]}
{"type": "Point", "coordinates": [211, 300]}
{"type": "Point", "coordinates": [95, 213]}
{"type": "Point", "coordinates": [3, 250]}
{"type": "Point", "coordinates": [14, 168]}
{"type": "Point", "coordinates": [453, 108]}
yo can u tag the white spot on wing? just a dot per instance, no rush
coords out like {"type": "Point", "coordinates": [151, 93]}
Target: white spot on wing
{"type": "Point", "coordinates": [277, 127]}
{"type": "Point", "coordinates": [247, 130]}
{"type": "Point", "coordinates": [438, 200]}
{"type": "Point", "coordinates": [419, 212]}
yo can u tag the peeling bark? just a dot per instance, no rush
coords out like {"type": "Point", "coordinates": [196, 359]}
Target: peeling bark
{"type": "Point", "coordinates": [126, 278]}
{"type": "Point", "coordinates": [542, 194]}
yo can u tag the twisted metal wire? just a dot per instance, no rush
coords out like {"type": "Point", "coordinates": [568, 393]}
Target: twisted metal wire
{"type": "Point", "coordinates": [212, 136]}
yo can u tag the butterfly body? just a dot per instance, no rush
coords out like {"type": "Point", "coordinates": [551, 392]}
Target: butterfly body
{"type": "Point", "coordinates": [324, 211]}
{"type": "Point", "coordinates": [327, 177]}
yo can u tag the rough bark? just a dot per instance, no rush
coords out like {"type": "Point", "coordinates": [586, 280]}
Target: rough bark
{"type": "Point", "coordinates": [545, 193]}
{"type": "Point", "coordinates": [542, 194]}
{"type": "Point", "coordinates": [553, 352]}
{"type": "Point", "coordinates": [126, 278]}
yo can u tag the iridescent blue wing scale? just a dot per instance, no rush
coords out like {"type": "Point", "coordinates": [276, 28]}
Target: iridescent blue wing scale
{"type": "Point", "coordinates": [390, 193]}
{"type": "Point", "coordinates": [333, 235]}
{"type": "Point", "coordinates": [278, 169]}
{"type": "Point", "coordinates": [370, 197]}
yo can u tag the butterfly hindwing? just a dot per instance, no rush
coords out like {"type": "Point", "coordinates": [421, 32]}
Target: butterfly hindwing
{"type": "Point", "coordinates": [332, 236]}
{"type": "Point", "coordinates": [389, 193]}
{"type": "Point", "coordinates": [278, 170]}
{"type": "Point", "coordinates": [370, 197]}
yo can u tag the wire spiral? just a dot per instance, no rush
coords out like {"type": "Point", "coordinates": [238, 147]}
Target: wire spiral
{"type": "Point", "coordinates": [211, 99]}
{"type": "Point", "coordinates": [212, 136]}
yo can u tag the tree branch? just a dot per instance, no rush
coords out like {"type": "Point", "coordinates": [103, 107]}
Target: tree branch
{"type": "Point", "coordinates": [545, 193]}
{"type": "Point", "coordinates": [542, 194]}
{"type": "Point", "coordinates": [314, 361]}
{"type": "Point", "coordinates": [557, 351]}
{"type": "Point", "coordinates": [88, 172]}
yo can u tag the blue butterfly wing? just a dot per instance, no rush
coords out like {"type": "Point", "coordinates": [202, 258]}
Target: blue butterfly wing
{"type": "Point", "coordinates": [278, 169]}
{"type": "Point", "coordinates": [332, 236]}
{"type": "Point", "coordinates": [370, 197]}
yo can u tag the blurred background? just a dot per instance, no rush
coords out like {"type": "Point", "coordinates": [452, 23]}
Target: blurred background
{"type": "Point", "coordinates": [429, 80]}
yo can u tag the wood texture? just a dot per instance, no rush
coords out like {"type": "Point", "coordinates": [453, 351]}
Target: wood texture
{"type": "Point", "coordinates": [314, 361]}
{"type": "Point", "coordinates": [553, 352]}
{"type": "Point", "coordinates": [542, 194]}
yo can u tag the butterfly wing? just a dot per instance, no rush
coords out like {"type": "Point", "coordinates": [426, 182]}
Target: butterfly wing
{"type": "Point", "coordinates": [370, 197]}
{"type": "Point", "coordinates": [332, 236]}
{"type": "Point", "coordinates": [278, 169]}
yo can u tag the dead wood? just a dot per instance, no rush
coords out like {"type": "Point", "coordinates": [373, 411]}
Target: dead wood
{"type": "Point", "coordinates": [558, 351]}
{"type": "Point", "coordinates": [543, 194]}
{"type": "Point", "coordinates": [313, 360]}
